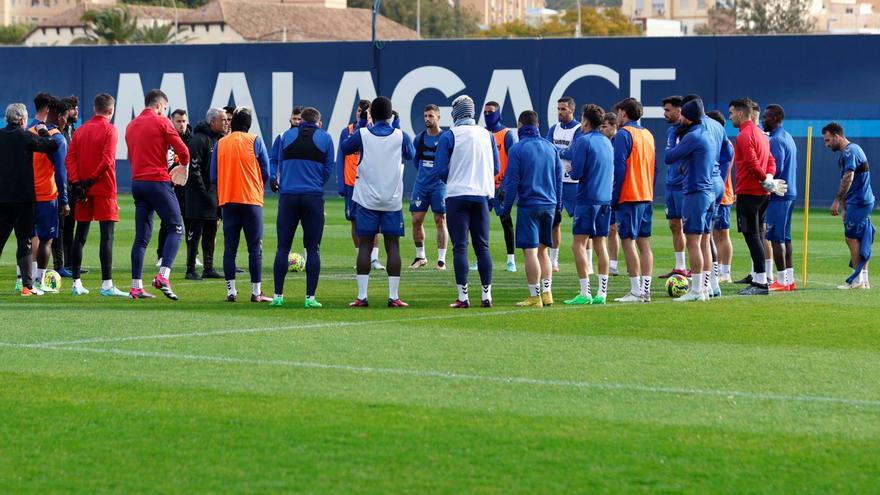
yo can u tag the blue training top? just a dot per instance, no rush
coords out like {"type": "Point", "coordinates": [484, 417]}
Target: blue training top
{"type": "Point", "coordinates": [784, 151]}
{"type": "Point", "coordinates": [592, 166]}
{"type": "Point", "coordinates": [853, 159]}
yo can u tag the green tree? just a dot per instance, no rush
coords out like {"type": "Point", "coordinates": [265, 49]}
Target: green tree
{"type": "Point", "coordinates": [722, 20]}
{"type": "Point", "coordinates": [157, 34]}
{"type": "Point", "coordinates": [14, 34]}
{"type": "Point", "coordinates": [438, 18]}
{"type": "Point", "coordinates": [774, 16]}
{"type": "Point", "coordinates": [594, 22]}
{"type": "Point", "coordinates": [113, 26]}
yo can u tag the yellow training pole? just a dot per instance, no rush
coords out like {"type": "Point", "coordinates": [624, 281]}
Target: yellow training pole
{"type": "Point", "coordinates": [807, 200]}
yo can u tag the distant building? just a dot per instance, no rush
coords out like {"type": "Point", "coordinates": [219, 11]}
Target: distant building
{"type": "Point", "coordinates": [36, 11]}
{"type": "Point", "coordinates": [847, 16]}
{"type": "Point", "coordinates": [689, 13]}
{"type": "Point", "coordinates": [493, 12]}
{"type": "Point", "coordinates": [237, 21]}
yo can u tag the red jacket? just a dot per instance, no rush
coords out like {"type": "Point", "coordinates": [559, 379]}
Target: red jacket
{"type": "Point", "coordinates": [753, 160]}
{"type": "Point", "coordinates": [148, 137]}
{"type": "Point", "coordinates": [92, 155]}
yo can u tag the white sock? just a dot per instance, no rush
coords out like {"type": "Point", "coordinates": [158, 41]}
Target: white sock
{"type": "Point", "coordinates": [511, 258]}
{"type": "Point", "coordinates": [635, 285]}
{"type": "Point", "coordinates": [165, 271]}
{"type": "Point", "coordinates": [441, 255]}
{"type": "Point", "coordinates": [38, 275]}
{"type": "Point", "coordinates": [462, 292]}
{"type": "Point", "coordinates": [590, 259]}
{"type": "Point", "coordinates": [768, 269]}
{"type": "Point", "coordinates": [107, 284]}
{"type": "Point", "coordinates": [865, 276]}
{"type": "Point", "coordinates": [257, 288]}
{"type": "Point", "coordinates": [308, 298]}
{"type": "Point", "coordinates": [554, 256]}
{"type": "Point", "coordinates": [487, 293]}
{"type": "Point", "coordinates": [761, 278]}
{"type": "Point", "coordinates": [613, 265]}
{"type": "Point", "coordinates": [707, 281]}
{"type": "Point", "coordinates": [393, 287]}
{"type": "Point", "coordinates": [363, 282]}
{"type": "Point", "coordinates": [713, 278]}
{"type": "Point", "coordinates": [281, 296]}
{"type": "Point", "coordinates": [547, 284]}
{"type": "Point", "coordinates": [17, 271]}
{"type": "Point", "coordinates": [725, 270]}
{"type": "Point", "coordinates": [680, 261]}
{"type": "Point", "coordinates": [230, 288]}
{"type": "Point", "coordinates": [420, 251]}
{"type": "Point", "coordinates": [137, 283]}
{"type": "Point", "coordinates": [374, 254]}
{"type": "Point", "coordinates": [534, 290]}
{"type": "Point", "coordinates": [646, 285]}
{"type": "Point", "coordinates": [789, 276]}
{"type": "Point", "coordinates": [78, 283]}
{"type": "Point", "coordinates": [585, 287]}
{"type": "Point", "coordinates": [603, 286]}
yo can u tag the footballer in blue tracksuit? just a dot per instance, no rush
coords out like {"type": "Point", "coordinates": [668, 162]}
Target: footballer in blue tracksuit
{"type": "Point", "coordinates": [674, 194]}
{"type": "Point", "coordinates": [855, 201]}
{"type": "Point", "coordinates": [299, 167]}
{"type": "Point", "coordinates": [697, 154]}
{"type": "Point", "coordinates": [592, 166]}
{"type": "Point", "coordinates": [780, 208]}
{"type": "Point", "coordinates": [428, 190]}
{"type": "Point", "coordinates": [534, 180]}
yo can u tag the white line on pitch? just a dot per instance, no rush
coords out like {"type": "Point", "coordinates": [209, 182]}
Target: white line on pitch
{"type": "Point", "coordinates": [209, 333]}
{"type": "Point", "coordinates": [453, 376]}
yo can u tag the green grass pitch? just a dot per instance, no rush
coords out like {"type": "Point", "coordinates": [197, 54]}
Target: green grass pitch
{"type": "Point", "coordinates": [738, 395]}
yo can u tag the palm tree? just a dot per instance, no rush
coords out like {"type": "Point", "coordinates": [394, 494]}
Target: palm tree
{"type": "Point", "coordinates": [113, 26]}
{"type": "Point", "coordinates": [159, 35]}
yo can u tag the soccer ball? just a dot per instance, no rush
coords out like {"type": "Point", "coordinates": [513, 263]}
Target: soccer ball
{"type": "Point", "coordinates": [677, 285]}
{"type": "Point", "coordinates": [295, 262]}
{"type": "Point", "coordinates": [52, 279]}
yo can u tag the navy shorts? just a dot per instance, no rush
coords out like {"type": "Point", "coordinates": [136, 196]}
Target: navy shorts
{"type": "Point", "coordinates": [569, 198]}
{"type": "Point", "coordinates": [778, 221]}
{"type": "Point", "coordinates": [856, 219]}
{"type": "Point", "coordinates": [350, 205]}
{"type": "Point", "coordinates": [722, 218]}
{"type": "Point", "coordinates": [592, 220]}
{"type": "Point", "coordinates": [534, 226]}
{"type": "Point", "coordinates": [697, 212]}
{"type": "Point", "coordinates": [433, 195]}
{"type": "Point", "coordinates": [635, 219]}
{"type": "Point", "coordinates": [46, 220]}
{"type": "Point", "coordinates": [372, 222]}
{"type": "Point", "coordinates": [674, 204]}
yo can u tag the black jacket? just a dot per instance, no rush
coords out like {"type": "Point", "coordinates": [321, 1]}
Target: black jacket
{"type": "Point", "coordinates": [201, 195]}
{"type": "Point", "coordinates": [17, 147]}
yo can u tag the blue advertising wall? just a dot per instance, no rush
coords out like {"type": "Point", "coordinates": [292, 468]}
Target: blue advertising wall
{"type": "Point", "coordinates": [810, 76]}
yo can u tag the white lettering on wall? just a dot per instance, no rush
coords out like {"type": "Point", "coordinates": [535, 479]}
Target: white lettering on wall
{"type": "Point", "coordinates": [636, 76]}
{"type": "Point", "coordinates": [282, 102]}
{"type": "Point", "coordinates": [504, 83]}
{"type": "Point", "coordinates": [355, 85]}
{"type": "Point", "coordinates": [416, 81]}
{"type": "Point", "coordinates": [235, 84]}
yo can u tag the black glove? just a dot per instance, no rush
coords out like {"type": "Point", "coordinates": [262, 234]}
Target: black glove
{"type": "Point", "coordinates": [75, 191]}
{"type": "Point", "coordinates": [86, 184]}
{"type": "Point", "coordinates": [273, 184]}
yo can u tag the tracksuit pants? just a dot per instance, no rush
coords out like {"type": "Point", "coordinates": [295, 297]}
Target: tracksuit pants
{"type": "Point", "coordinates": [19, 217]}
{"type": "Point", "coordinates": [294, 209]}
{"type": "Point", "coordinates": [239, 217]}
{"type": "Point", "coordinates": [159, 198]}
{"type": "Point", "coordinates": [468, 216]}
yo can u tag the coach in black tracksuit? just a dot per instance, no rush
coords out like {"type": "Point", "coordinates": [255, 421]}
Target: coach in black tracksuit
{"type": "Point", "coordinates": [201, 195]}
{"type": "Point", "coordinates": [17, 196]}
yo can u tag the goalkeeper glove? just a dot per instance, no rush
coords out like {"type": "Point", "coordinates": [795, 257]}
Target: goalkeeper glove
{"type": "Point", "coordinates": [179, 175]}
{"type": "Point", "coordinates": [775, 186]}
{"type": "Point", "coordinates": [273, 184]}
